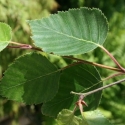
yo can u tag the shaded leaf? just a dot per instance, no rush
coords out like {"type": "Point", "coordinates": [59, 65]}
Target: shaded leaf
{"type": "Point", "coordinates": [31, 79]}
{"type": "Point", "coordinates": [77, 78]}
{"type": "Point", "coordinates": [76, 31]}
{"type": "Point", "coordinates": [5, 35]}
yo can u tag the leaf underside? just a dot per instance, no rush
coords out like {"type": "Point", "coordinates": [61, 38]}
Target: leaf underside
{"type": "Point", "coordinates": [5, 35]}
{"type": "Point", "coordinates": [76, 31]}
{"type": "Point", "coordinates": [31, 79]}
{"type": "Point", "coordinates": [77, 78]}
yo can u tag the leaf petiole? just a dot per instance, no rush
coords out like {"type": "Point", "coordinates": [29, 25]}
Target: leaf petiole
{"type": "Point", "coordinates": [94, 64]}
{"type": "Point", "coordinates": [112, 57]}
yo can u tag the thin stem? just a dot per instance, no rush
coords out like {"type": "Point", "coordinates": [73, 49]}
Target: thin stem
{"type": "Point", "coordinates": [113, 58]}
{"type": "Point", "coordinates": [113, 75]}
{"type": "Point", "coordinates": [25, 46]}
{"type": "Point", "coordinates": [13, 46]}
{"type": "Point", "coordinates": [120, 69]}
{"type": "Point", "coordinates": [70, 65]}
{"type": "Point", "coordinates": [99, 89]}
{"type": "Point", "coordinates": [16, 43]}
{"type": "Point", "coordinates": [94, 64]}
{"type": "Point", "coordinates": [19, 45]}
{"type": "Point", "coordinates": [74, 109]}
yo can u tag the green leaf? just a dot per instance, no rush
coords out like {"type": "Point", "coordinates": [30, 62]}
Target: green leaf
{"type": "Point", "coordinates": [67, 117]}
{"type": "Point", "coordinates": [77, 78]}
{"type": "Point", "coordinates": [96, 118]}
{"type": "Point", "coordinates": [5, 35]}
{"type": "Point", "coordinates": [31, 79]}
{"type": "Point", "coordinates": [76, 31]}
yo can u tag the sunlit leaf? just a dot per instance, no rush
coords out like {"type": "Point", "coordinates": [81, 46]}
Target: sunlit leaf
{"type": "Point", "coordinates": [31, 79]}
{"type": "Point", "coordinates": [5, 35]}
{"type": "Point", "coordinates": [78, 79]}
{"type": "Point", "coordinates": [76, 31]}
{"type": "Point", "coordinates": [96, 118]}
{"type": "Point", "coordinates": [67, 117]}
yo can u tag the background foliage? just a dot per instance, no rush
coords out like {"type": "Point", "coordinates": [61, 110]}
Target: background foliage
{"type": "Point", "coordinates": [16, 12]}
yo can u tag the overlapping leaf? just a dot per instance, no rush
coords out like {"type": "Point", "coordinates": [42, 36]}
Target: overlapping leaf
{"type": "Point", "coordinates": [67, 117]}
{"type": "Point", "coordinates": [77, 78]}
{"type": "Point", "coordinates": [5, 35]}
{"type": "Point", "coordinates": [31, 79]}
{"type": "Point", "coordinates": [76, 31]}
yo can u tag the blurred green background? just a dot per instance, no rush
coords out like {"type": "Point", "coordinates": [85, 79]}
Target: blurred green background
{"type": "Point", "coordinates": [17, 12]}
